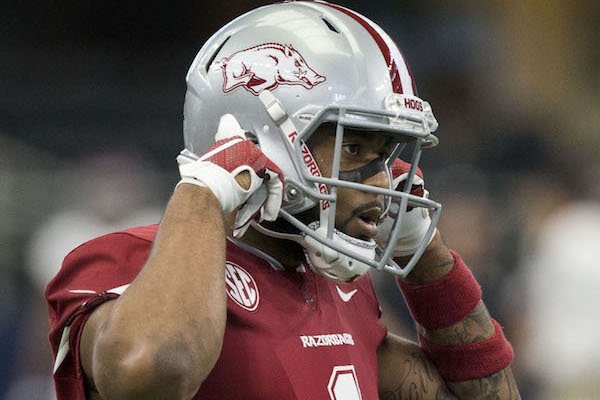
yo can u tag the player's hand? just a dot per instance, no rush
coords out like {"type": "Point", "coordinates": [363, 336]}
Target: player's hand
{"type": "Point", "coordinates": [416, 221]}
{"type": "Point", "coordinates": [259, 185]}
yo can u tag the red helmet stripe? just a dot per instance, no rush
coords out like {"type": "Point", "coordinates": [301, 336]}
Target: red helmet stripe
{"type": "Point", "coordinates": [395, 75]}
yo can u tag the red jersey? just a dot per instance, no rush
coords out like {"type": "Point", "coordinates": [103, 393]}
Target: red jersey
{"type": "Point", "coordinates": [289, 335]}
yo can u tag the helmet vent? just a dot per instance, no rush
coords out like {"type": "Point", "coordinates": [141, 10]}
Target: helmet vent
{"type": "Point", "coordinates": [216, 53]}
{"type": "Point", "coordinates": [330, 25]}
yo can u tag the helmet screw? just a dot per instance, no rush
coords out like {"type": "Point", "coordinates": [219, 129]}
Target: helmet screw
{"type": "Point", "coordinates": [318, 254]}
{"type": "Point", "coordinates": [292, 194]}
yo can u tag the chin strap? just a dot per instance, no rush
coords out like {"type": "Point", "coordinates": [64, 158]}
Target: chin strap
{"type": "Point", "coordinates": [276, 265]}
{"type": "Point", "coordinates": [283, 121]}
{"type": "Point", "coordinates": [298, 238]}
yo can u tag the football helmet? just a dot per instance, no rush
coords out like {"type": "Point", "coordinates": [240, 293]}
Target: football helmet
{"type": "Point", "coordinates": [285, 69]}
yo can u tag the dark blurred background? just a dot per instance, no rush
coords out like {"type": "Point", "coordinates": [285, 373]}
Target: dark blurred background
{"type": "Point", "coordinates": [91, 97]}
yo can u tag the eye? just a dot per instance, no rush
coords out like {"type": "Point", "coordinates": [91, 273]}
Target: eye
{"type": "Point", "coordinates": [351, 148]}
{"type": "Point", "coordinates": [297, 63]}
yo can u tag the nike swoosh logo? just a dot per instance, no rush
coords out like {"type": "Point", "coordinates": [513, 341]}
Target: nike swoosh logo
{"type": "Point", "coordinates": [346, 296]}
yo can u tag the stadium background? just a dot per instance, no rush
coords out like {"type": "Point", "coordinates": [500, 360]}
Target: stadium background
{"type": "Point", "coordinates": [91, 98]}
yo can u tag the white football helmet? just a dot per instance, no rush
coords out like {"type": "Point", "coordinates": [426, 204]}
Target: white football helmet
{"type": "Point", "coordinates": [283, 70]}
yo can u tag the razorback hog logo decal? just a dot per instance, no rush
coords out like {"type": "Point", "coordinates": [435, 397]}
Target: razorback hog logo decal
{"type": "Point", "coordinates": [265, 67]}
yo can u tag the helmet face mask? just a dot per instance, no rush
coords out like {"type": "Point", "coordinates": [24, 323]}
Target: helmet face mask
{"type": "Point", "coordinates": [328, 66]}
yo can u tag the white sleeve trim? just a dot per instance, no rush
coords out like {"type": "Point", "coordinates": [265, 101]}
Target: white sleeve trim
{"type": "Point", "coordinates": [119, 290]}
{"type": "Point", "coordinates": [63, 347]}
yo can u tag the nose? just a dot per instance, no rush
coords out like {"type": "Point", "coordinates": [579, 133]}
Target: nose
{"type": "Point", "coordinates": [380, 179]}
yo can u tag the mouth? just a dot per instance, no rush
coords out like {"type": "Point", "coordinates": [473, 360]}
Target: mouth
{"type": "Point", "coordinates": [367, 223]}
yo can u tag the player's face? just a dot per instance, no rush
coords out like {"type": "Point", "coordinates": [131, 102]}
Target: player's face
{"type": "Point", "coordinates": [357, 212]}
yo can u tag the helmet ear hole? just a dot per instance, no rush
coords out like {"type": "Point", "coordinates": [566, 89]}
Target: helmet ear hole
{"type": "Point", "coordinates": [216, 53]}
{"type": "Point", "coordinates": [330, 25]}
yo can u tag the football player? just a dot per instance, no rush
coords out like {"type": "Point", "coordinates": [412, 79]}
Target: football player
{"type": "Point", "coordinates": [254, 285]}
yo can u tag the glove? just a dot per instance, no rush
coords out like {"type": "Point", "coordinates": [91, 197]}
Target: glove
{"type": "Point", "coordinates": [416, 221]}
{"type": "Point", "coordinates": [231, 155]}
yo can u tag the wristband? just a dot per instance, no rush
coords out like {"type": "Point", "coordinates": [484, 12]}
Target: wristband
{"type": "Point", "coordinates": [462, 362]}
{"type": "Point", "coordinates": [445, 301]}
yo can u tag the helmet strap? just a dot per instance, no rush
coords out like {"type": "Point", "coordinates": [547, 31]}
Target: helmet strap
{"type": "Point", "coordinates": [283, 121]}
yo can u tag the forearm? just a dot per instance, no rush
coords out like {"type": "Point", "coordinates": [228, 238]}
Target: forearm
{"type": "Point", "coordinates": [476, 326]}
{"type": "Point", "coordinates": [170, 322]}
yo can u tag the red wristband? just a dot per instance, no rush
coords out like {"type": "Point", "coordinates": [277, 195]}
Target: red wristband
{"type": "Point", "coordinates": [445, 301]}
{"type": "Point", "coordinates": [461, 362]}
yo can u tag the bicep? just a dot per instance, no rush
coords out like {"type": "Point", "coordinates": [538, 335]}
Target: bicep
{"type": "Point", "coordinates": [406, 373]}
{"type": "Point", "coordinates": [92, 327]}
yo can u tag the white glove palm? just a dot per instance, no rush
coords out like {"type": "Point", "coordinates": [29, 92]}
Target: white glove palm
{"type": "Point", "coordinates": [415, 222]}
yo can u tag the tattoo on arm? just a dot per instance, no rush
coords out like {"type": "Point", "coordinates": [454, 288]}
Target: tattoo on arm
{"type": "Point", "coordinates": [413, 376]}
{"type": "Point", "coordinates": [443, 393]}
{"type": "Point", "coordinates": [474, 327]}
{"type": "Point", "coordinates": [420, 386]}
{"type": "Point", "coordinates": [419, 381]}
{"type": "Point", "coordinates": [500, 386]}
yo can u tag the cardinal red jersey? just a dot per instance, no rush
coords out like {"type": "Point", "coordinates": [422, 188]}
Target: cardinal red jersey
{"type": "Point", "coordinates": [289, 335]}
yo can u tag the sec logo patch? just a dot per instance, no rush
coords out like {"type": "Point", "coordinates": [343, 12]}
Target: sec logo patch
{"type": "Point", "coordinates": [241, 287]}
